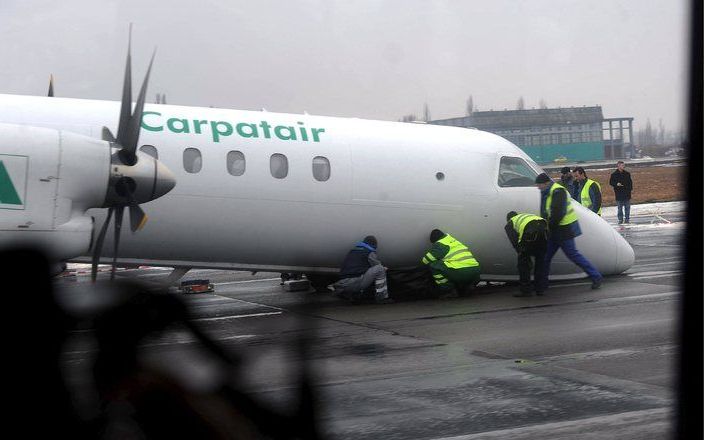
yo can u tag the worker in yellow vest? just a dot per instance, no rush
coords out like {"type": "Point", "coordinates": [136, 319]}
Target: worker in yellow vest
{"type": "Point", "coordinates": [588, 190]}
{"type": "Point", "coordinates": [528, 236]}
{"type": "Point", "coordinates": [563, 227]}
{"type": "Point", "coordinates": [451, 264]}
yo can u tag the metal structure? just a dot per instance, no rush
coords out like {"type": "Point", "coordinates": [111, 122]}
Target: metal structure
{"type": "Point", "coordinates": [556, 134]}
{"type": "Point", "coordinates": [618, 139]}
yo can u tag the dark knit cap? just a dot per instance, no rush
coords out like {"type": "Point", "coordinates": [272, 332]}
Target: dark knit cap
{"type": "Point", "coordinates": [565, 170]}
{"type": "Point", "coordinates": [542, 178]}
{"type": "Point", "coordinates": [370, 240]}
{"type": "Point", "coordinates": [436, 234]}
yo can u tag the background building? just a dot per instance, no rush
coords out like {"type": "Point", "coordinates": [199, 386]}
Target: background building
{"type": "Point", "coordinates": [555, 134]}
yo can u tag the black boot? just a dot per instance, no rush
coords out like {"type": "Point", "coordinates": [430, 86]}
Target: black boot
{"type": "Point", "coordinates": [526, 290]}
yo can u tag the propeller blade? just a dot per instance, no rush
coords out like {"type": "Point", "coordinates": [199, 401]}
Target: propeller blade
{"type": "Point", "coordinates": [51, 86]}
{"type": "Point", "coordinates": [131, 136]}
{"type": "Point", "coordinates": [98, 246]}
{"type": "Point", "coordinates": [119, 211]}
{"type": "Point", "coordinates": [107, 135]}
{"type": "Point", "coordinates": [126, 108]}
{"type": "Point", "coordinates": [137, 217]}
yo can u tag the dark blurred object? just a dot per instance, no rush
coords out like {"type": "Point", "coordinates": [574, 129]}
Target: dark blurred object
{"type": "Point", "coordinates": [34, 330]}
{"type": "Point", "coordinates": [135, 399]}
{"type": "Point", "coordinates": [689, 408]}
{"type": "Point", "coordinates": [410, 284]}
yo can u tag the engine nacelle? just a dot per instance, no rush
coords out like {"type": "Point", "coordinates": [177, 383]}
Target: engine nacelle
{"type": "Point", "coordinates": [48, 179]}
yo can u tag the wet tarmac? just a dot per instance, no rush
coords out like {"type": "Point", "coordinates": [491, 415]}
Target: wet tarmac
{"type": "Point", "coordinates": [575, 363]}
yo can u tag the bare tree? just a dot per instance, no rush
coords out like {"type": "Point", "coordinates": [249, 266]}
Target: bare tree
{"type": "Point", "coordinates": [543, 104]}
{"type": "Point", "coordinates": [646, 137]}
{"type": "Point", "coordinates": [408, 118]}
{"type": "Point", "coordinates": [470, 106]}
{"type": "Point", "coordinates": [661, 133]}
{"type": "Point", "coordinates": [521, 104]}
{"type": "Point", "coordinates": [426, 112]}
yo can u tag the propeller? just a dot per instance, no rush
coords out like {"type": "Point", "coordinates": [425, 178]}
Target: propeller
{"type": "Point", "coordinates": [135, 178]}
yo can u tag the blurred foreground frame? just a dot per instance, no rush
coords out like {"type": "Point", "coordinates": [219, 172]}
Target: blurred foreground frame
{"type": "Point", "coordinates": [128, 398]}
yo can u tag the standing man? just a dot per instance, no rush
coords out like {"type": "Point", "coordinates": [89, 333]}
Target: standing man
{"type": "Point", "coordinates": [589, 191]}
{"type": "Point", "coordinates": [451, 263]}
{"type": "Point", "coordinates": [567, 180]}
{"type": "Point", "coordinates": [563, 227]}
{"type": "Point", "coordinates": [360, 270]}
{"type": "Point", "coordinates": [623, 185]}
{"type": "Point", "coordinates": [528, 235]}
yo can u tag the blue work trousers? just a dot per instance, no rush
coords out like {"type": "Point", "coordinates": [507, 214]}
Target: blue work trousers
{"type": "Point", "coordinates": [574, 256]}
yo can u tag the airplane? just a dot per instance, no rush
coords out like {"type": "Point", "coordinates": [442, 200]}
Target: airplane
{"type": "Point", "coordinates": [262, 191]}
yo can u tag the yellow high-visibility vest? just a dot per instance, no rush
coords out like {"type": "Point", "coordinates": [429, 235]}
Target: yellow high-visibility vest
{"type": "Point", "coordinates": [520, 222]}
{"type": "Point", "coordinates": [570, 215]}
{"type": "Point", "coordinates": [584, 195]}
{"type": "Point", "coordinates": [459, 256]}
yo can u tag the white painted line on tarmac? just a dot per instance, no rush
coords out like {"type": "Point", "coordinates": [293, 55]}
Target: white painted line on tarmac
{"type": "Point", "coordinates": [674, 274]}
{"type": "Point", "coordinates": [246, 281]}
{"type": "Point", "coordinates": [251, 303]}
{"type": "Point", "coordinates": [250, 315]}
{"type": "Point", "coordinates": [652, 273]}
{"type": "Point", "coordinates": [660, 263]}
{"type": "Point", "coordinates": [568, 428]}
{"type": "Point", "coordinates": [228, 338]}
{"type": "Point", "coordinates": [193, 340]}
{"type": "Point", "coordinates": [584, 283]}
{"type": "Point", "coordinates": [647, 296]}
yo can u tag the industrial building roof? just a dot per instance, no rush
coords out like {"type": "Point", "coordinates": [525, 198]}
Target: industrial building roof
{"type": "Point", "coordinates": [497, 120]}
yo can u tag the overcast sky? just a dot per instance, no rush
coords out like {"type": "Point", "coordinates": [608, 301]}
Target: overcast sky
{"type": "Point", "coordinates": [369, 59]}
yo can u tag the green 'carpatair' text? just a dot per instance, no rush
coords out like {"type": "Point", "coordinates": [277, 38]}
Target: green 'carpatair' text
{"type": "Point", "coordinates": [153, 121]}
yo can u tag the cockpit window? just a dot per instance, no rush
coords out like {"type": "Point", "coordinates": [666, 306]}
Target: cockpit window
{"type": "Point", "coordinates": [514, 172]}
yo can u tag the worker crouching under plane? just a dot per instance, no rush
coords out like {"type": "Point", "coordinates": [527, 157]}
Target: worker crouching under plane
{"type": "Point", "coordinates": [360, 270]}
{"type": "Point", "coordinates": [528, 235]}
{"type": "Point", "coordinates": [452, 265]}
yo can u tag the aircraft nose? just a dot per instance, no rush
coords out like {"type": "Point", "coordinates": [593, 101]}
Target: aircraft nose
{"type": "Point", "coordinates": [625, 256]}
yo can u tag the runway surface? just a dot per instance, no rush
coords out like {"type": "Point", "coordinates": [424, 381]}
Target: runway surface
{"type": "Point", "coordinates": [574, 364]}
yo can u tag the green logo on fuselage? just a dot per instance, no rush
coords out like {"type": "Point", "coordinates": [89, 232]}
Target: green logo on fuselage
{"type": "Point", "coordinates": [8, 193]}
{"type": "Point", "coordinates": [152, 121]}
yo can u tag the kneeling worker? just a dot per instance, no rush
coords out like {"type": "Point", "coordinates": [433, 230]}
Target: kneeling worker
{"type": "Point", "coordinates": [360, 270]}
{"type": "Point", "coordinates": [451, 263]}
{"type": "Point", "coordinates": [528, 235]}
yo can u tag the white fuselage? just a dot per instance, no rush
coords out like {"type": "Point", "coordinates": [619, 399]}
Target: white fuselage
{"type": "Point", "coordinates": [383, 181]}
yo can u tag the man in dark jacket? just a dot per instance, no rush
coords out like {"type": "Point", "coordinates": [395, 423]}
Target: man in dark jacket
{"type": "Point", "coordinates": [567, 180]}
{"type": "Point", "coordinates": [563, 227]}
{"type": "Point", "coordinates": [623, 185]}
{"type": "Point", "coordinates": [360, 270]}
{"type": "Point", "coordinates": [528, 236]}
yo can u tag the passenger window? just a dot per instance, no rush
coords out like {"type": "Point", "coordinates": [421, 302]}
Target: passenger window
{"type": "Point", "coordinates": [236, 163]}
{"type": "Point", "coordinates": [150, 150]}
{"type": "Point", "coordinates": [321, 168]}
{"type": "Point", "coordinates": [514, 171]}
{"type": "Point", "coordinates": [278, 165]}
{"type": "Point", "coordinates": [192, 160]}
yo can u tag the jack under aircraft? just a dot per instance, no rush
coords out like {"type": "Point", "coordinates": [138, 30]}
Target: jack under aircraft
{"type": "Point", "coordinates": [262, 191]}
